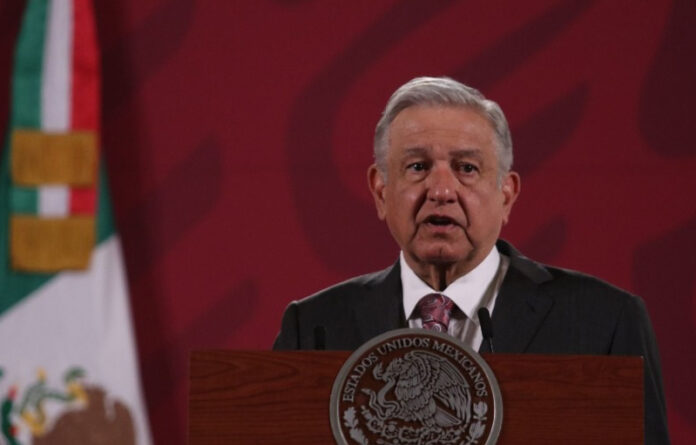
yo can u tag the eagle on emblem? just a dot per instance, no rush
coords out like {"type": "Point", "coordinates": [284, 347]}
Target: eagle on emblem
{"type": "Point", "coordinates": [423, 387]}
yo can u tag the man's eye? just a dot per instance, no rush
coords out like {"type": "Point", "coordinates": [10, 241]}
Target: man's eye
{"type": "Point", "coordinates": [416, 166]}
{"type": "Point", "coordinates": [467, 167]}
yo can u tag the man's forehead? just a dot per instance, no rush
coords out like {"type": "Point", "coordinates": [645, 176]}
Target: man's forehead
{"type": "Point", "coordinates": [425, 123]}
{"type": "Point", "coordinates": [459, 130]}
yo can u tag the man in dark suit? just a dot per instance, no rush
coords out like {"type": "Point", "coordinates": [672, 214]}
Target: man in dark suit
{"type": "Point", "coordinates": [442, 181]}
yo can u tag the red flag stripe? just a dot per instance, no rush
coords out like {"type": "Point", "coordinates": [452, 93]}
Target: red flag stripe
{"type": "Point", "coordinates": [85, 61]}
{"type": "Point", "coordinates": [86, 98]}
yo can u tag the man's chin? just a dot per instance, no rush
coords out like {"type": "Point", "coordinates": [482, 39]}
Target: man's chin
{"type": "Point", "coordinates": [442, 256]}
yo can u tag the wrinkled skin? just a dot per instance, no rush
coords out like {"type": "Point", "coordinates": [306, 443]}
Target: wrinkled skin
{"type": "Point", "coordinates": [443, 197]}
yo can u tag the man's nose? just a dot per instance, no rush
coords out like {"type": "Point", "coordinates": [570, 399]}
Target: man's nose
{"type": "Point", "coordinates": [442, 185]}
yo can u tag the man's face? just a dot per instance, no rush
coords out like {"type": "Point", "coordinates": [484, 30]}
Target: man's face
{"type": "Point", "coordinates": [441, 198]}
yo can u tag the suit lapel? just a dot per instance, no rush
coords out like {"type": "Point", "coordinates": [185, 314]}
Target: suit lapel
{"type": "Point", "coordinates": [521, 306]}
{"type": "Point", "coordinates": [519, 309]}
{"type": "Point", "coordinates": [380, 308]}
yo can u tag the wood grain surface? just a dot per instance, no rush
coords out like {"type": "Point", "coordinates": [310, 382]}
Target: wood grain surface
{"type": "Point", "coordinates": [264, 397]}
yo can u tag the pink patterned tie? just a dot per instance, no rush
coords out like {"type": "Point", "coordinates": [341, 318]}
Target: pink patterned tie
{"type": "Point", "coordinates": [435, 310]}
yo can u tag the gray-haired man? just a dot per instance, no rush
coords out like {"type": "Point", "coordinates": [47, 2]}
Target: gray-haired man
{"type": "Point", "coordinates": [442, 181]}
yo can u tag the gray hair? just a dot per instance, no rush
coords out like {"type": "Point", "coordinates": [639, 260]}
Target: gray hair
{"type": "Point", "coordinates": [445, 92]}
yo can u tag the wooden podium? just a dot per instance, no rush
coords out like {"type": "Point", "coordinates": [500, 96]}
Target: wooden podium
{"type": "Point", "coordinates": [265, 397]}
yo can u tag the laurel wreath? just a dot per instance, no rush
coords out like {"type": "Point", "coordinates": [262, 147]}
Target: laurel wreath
{"type": "Point", "coordinates": [390, 433]}
{"type": "Point", "coordinates": [351, 422]}
{"type": "Point", "coordinates": [477, 426]}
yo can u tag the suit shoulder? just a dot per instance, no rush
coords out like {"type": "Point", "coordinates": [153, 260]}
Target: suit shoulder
{"type": "Point", "coordinates": [560, 281]}
{"type": "Point", "coordinates": [589, 287]}
{"type": "Point", "coordinates": [342, 292]}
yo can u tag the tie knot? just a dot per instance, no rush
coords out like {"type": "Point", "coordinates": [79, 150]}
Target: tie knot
{"type": "Point", "coordinates": [435, 310]}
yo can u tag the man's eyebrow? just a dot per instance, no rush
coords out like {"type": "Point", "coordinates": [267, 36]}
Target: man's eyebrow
{"type": "Point", "coordinates": [415, 151]}
{"type": "Point", "coordinates": [467, 153]}
{"type": "Point", "coordinates": [474, 153]}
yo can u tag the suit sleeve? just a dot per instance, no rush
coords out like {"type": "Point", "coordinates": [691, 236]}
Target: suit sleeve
{"type": "Point", "coordinates": [288, 337]}
{"type": "Point", "coordinates": [634, 336]}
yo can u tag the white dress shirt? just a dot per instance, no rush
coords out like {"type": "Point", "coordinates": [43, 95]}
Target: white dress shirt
{"type": "Point", "coordinates": [476, 289]}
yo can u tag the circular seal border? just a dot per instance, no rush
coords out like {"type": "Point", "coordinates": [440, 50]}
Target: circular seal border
{"type": "Point", "coordinates": [334, 413]}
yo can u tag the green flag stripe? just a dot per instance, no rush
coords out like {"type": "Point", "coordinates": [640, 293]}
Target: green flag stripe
{"type": "Point", "coordinates": [28, 65]}
{"type": "Point", "coordinates": [25, 112]}
{"type": "Point", "coordinates": [24, 200]}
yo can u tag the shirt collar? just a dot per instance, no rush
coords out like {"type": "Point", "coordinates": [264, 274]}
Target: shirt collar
{"type": "Point", "coordinates": [467, 291]}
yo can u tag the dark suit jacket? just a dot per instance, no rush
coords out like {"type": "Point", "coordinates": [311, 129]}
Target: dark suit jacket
{"type": "Point", "coordinates": [539, 309]}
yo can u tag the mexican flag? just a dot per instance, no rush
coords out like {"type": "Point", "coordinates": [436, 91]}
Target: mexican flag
{"type": "Point", "coordinates": [68, 367]}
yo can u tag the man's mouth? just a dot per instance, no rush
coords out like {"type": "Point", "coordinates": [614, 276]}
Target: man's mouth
{"type": "Point", "coordinates": [437, 220]}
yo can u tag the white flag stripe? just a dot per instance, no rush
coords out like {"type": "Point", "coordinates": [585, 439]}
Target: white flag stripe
{"type": "Point", "coordinates": [54, 200]}
{"type": "Point", "coordinates": [56, 81]}
{"type": "Point", "coordinates": [77, 319]}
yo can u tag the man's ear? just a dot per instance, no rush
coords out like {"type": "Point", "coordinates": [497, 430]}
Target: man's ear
{"type": "Point", "coordinates": [376, 182]}
{"type": "Point", "coordinates": [510, 187]}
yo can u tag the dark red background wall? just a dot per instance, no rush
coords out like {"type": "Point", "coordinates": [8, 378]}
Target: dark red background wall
{"type": "Point", "coordinates": [237, 135]}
